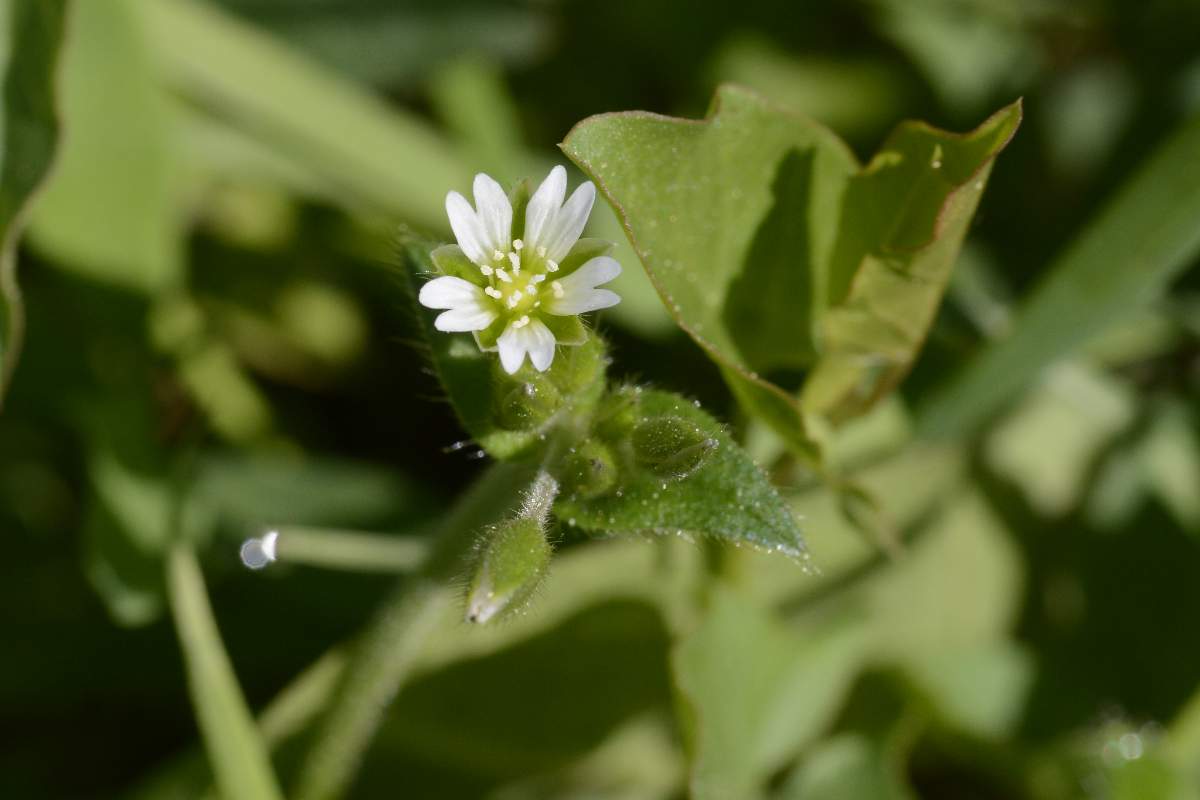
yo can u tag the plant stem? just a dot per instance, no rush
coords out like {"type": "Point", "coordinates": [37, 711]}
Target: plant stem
{"type": "Point", "coordinates": [384, 657]}
{"type": "Point", "coordinates": [382, 663]}
{"type": "Point", "coordinates": [351, 550]}
{"type": "Point", "coordinates": [240, 762]}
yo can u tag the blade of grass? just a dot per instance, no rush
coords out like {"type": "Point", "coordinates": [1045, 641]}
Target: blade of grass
{"type": "Point", "coordinates": [379, 156]}
{"type": "Point", "coordinates": [239, 760]}
{"type": "Point", "coordinates": [1146, 235]}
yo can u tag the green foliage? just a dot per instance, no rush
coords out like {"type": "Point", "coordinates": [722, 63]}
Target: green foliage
{"type": "Point", "coordinates": [110, 210]}
{"type": "Point", "coordinates": [904, 218]}
{"type": "Point", "coordinates": [32, 35]}
{"type": "Point", "coordinates": [688, 478]}
{"type": "Point", "coordinates": [215, 350]}
{"type": "Point", "coordinates": [391, 161]}
{"type": "Point", "coordinates": [752, 692]}
{"type": "Point", "coordinates": [1145, 236]}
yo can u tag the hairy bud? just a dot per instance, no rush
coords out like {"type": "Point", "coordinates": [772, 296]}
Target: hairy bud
{"type": "Point", "coordinates": [528, 404]}
{"type": "Point", "coordinates": [671, 447]}
{"type": "Point", "coordinates": [513, 557]}
{"type": "Point", "coordinates": [589, 470]}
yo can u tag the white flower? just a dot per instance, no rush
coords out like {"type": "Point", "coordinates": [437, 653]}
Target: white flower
{"type": "Point", "coordinates": [521, 295]}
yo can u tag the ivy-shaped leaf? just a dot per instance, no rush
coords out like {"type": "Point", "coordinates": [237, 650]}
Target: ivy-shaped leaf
{"type": "Point", "coordinates": [678, 472]}
{"type": "Point", "coordinates": [28, 137]}
{"type": "Point", "coordinates": [733, 218]}
{"type": "Point", "coordinates": [772, 248]}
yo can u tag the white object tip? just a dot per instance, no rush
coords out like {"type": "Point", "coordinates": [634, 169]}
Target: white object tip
{"type": "Point", "coordinates": [259, 552]}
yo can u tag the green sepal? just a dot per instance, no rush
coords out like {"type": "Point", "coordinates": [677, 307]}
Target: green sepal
{"type": "Point", "coordinates": [451, 260]}
{"type": "Point", "coordinates": [486, 338]}
{"type": "Point", "coordinates": [582, 252]}
{"type": "Point", "coordinates": [589, 470]}
{"type": "Point", "coordinates": [568, 331]}
{"type": "Point", "coordinates": [527, 403]}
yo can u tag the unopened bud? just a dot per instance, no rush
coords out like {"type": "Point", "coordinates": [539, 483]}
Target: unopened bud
{"type": "Point", "coordinates": [589, 470]}
{"type": "Point", "coordinates": [510, 566]}
{"type": "Point", "coordinates": [528, 403]}
{"type": "Point", "coordinates": [671, 447]}
{"type": "Point", "coordinates": [513, 557]}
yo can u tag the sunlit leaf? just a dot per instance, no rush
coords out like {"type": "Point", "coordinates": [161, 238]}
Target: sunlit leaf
{"type": "Point", "coordinates": [733, 217]}
{"type": "Point", "coordinates": [904, 218]}
{"type": "Point", "coordinates": [774, 251]}
{"type": "Point", "coordinates": [32, 31]}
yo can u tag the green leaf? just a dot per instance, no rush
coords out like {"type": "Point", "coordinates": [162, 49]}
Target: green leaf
{"type": "Point", "coordinates": [377, 156]}
{"type": "Point", "coordinates": [239, 760]}
{"type": "Point", "coordinates": [32, 33]}
{"type": "Point", "coordinates": [775, 252]}
{"type": "Point", "coordinates": [507, 416]}
{"type": "Point", "coordinates": [707, 204]}
{"type": "Point", "coordinates": [904, 218]}
{"type": "Point", "coordinates": [724, 495]}
{"type": "Point", "coordinates": [1125, 258]}
{"type": "Point", "coordinates": [753, 692]}
{"type": "Point", "coordinates": [110, 211]}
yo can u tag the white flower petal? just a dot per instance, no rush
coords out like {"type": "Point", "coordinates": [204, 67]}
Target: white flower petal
{"type": "Point", "coordinates": [579, 292]}
{"type": "Point", "coordinates": [464, 318]}
{"type": "Point", "coordinates": [544, 205]}
{"type": "Point", "coordinates": [534, 338]}
{"type": "Point", "coordinates": [541, 345]}
{"type": "Point", "coordinates": [468, 228]}
{"type": "Point", "coordinates": [495, 213]}
{"type": "Point", "coordinates": [449, 292]}
{"type": "Point", "coordinates": [563, 231]}
{"type": "Point", "coordinates": [512, 350]}
{"type": "Point", "coordinates": [584, 301]}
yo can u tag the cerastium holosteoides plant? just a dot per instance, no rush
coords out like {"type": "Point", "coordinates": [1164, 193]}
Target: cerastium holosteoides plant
{"type": "Point", "coordinates": [769, 245]}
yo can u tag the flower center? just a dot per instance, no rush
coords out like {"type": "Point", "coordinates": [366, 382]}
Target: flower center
{"type": "Point", "coordinates": [517, 280]}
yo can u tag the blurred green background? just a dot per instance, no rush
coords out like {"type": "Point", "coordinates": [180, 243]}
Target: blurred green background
{"type": "Point", "coordinates": [216, 336]}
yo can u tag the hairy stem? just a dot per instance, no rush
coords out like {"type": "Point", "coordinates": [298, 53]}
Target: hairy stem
{"type": "Point", "coordinates": [384, 657]}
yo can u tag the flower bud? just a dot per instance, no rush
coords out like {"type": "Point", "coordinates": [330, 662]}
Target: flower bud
{"type": "Point", "coordinates": [513, 556]}
{"type": "Point", "coordinates": [671, 447]}
{"type": "Point", "coordinates": [589, 470]}
{"type": "Point", "coordinates": [528, 403]}
{"type": "Point", "coordinates": [510, 566]}
{"type": "Point", "coordinates": [618, 414]}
